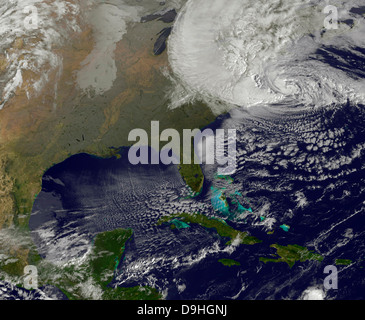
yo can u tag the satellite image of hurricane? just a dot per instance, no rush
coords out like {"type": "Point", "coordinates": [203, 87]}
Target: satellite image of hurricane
{"type": "Point", "coordinates": [182, 150]}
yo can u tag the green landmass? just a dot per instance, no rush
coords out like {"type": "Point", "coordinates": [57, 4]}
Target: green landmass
{"type": "Point", "coordinates": [191, 173]}
{"type": "Point", "coordinates": [291, 254]}
{"type": "Point", "coordinates": [229, 262]}
{"type": "Point", "coordinates": [79, 282]}
{"type": "Point", "coordinates": [107, 252]}
{"type": "Point", "coordinates": [133, 293]}
{"type": "Point", "coordinates": [193, 176]}
{"type": "Point", "coordinates": [343, 262]}
{"type": "Point", "coordinates": [222, 228]}
{"type": "Point", "coordinates": [35, 135]}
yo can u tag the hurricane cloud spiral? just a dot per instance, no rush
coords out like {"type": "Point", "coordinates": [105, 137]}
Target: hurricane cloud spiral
{"type": "Point", "coordinates": [269, 52]}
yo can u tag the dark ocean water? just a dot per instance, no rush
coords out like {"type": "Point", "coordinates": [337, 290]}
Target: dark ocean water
{"type": "Point", "coordinates": [302, 167]}
{"type": "Point", "coordinates": [323, 205]}
{"type": "Point", "coordinates": [297, 165]}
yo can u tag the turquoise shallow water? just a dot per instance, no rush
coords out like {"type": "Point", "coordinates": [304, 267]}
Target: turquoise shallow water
{"type": "Point", "coordinates": [86, 195]}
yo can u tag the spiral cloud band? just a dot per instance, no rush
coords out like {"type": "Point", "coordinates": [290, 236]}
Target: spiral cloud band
{"type": "Point", "coordinates": [264, 52]}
